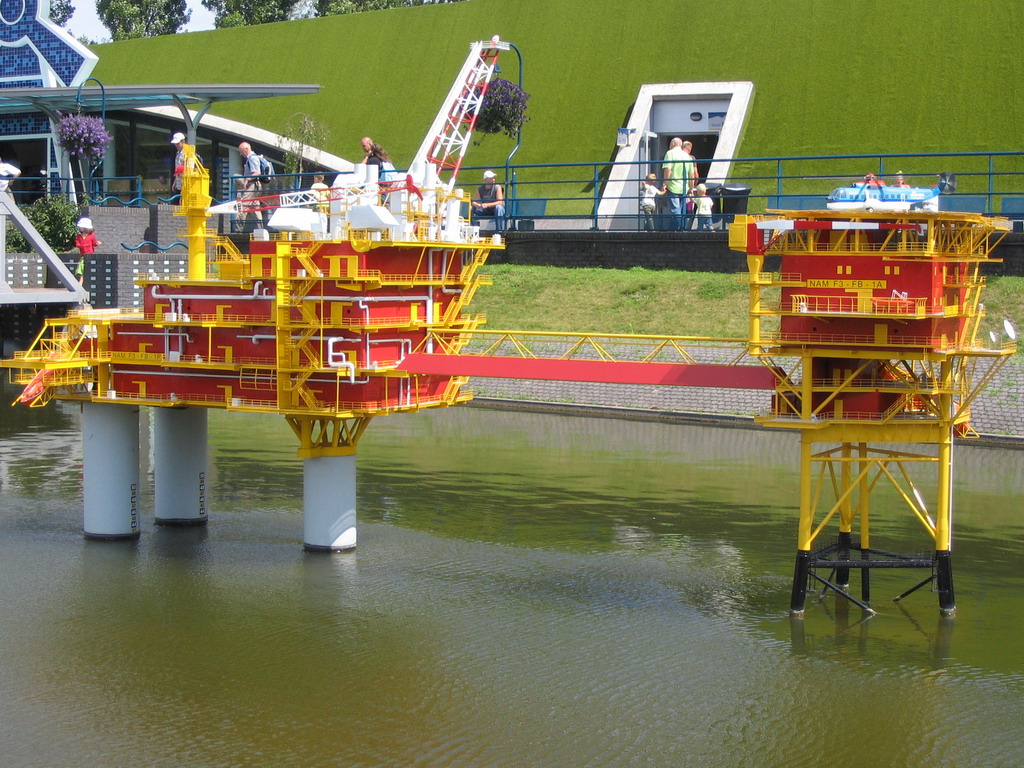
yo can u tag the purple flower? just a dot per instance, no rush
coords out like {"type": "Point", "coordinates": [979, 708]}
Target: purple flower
{"type": "Point", "coordinates": [83, 136]}
{"type": "Point", "coordinates": [503, 108]}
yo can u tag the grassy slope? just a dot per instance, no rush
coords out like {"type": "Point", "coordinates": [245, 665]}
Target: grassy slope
{"type": "Point", "coordinates": [642, 301]}
{"type": "Point", "coordinates": [869, 76]}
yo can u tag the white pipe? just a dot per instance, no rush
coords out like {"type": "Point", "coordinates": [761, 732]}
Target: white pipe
{"type": "Point", "coordinates": [270, 336]}
{"type": "Point", "coordinates": [313, 297]}
{"type": "Point", "coordinates": [361, 303]}
{"type": "Point", "coordinates": [149, 333]}
{"type": "Point", "coordinates": [452, 219]}
{"type": "Point", "coordinates": [150, 372]}
{"type": "Point", "coordinates": [405, 345]}
{"type": "Point", "coordinates": [155, 293]}
{"type": "Point", "coordinates": [364, 299]}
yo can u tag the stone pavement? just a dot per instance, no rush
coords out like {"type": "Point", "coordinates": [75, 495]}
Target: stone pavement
{"type": "Point", "coordinates": [997, 414]}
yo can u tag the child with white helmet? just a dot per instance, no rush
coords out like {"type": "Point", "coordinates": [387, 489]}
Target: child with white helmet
{"type": "Point", "coordinates": [86, 243]}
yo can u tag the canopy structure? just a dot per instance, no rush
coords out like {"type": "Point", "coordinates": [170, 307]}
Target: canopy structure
{"type": "Point", "coordinates": [100, 98]}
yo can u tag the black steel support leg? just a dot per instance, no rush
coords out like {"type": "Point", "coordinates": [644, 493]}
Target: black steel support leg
{"type": "Point", "coordinates": [944, 578]}
{"type": "Point", "coordinates": [800, 573]}
{"type": "Point", "coordinates": [843, 574]}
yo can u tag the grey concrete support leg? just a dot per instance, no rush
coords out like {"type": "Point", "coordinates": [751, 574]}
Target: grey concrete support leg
{"type": "Point", "coordinates": [329, 503]}
{"type": "Point", "coordinates": [110, 458]}
{"type": "Point", "coordinates": [180, 465]}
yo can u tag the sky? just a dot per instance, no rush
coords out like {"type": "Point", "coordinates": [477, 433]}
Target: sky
{"type": "Point", "coordinates": [85, 23]}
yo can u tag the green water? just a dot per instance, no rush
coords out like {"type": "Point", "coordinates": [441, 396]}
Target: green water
{"type": "Point", "coordinates": [529, 590]}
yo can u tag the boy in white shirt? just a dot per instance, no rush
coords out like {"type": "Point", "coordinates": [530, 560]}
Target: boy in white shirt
{"type": "Point", "coordinates": [704, 206]}
{"type": "Point", "coordinates": [649, 191]}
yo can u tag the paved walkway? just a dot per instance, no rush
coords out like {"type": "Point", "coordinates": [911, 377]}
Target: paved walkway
{"type": "Point", "coordinates": [998, 414]}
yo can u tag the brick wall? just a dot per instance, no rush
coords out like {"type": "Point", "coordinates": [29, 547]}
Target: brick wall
{"type": "Point", "coordinates": [693, 251]}
{"type": "Point", "coordinates": [119, 227]}
{"type": "Point", "coordinates": [690, 251]}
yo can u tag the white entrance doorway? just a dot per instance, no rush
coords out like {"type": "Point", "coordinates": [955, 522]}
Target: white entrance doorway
{"type": "Point", "coordinates": [710, 115]}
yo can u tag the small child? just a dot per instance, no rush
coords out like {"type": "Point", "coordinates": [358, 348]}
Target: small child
{"type": "Point", "coordinates": [86, 243]}
{"type": "Point", "coordinates": [649, 192]}
{"type": "Point", "coordinates": [704, 206]}
{"type": "Point", "coordinates": [323, 193]}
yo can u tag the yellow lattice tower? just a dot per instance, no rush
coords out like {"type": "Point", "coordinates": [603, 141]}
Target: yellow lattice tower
{"type": "Point", "coordinates": [871, 327]}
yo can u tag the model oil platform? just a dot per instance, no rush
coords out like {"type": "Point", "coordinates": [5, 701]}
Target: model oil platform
{"type": "Point", "coordinates": [310, 323]}
{"type": "Point", "coordinates": [871, 327]}
{"type": "Point", "coordinates": [867, 334]}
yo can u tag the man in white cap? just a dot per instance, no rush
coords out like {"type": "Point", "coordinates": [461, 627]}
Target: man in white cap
{"type": "Point", "coordinates": [178, 140]}
{"type": "Point", "coordinates": [489, 200]}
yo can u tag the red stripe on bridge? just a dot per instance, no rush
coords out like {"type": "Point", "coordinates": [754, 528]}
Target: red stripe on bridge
{"type": "Point", "coordinates": [598, 371]}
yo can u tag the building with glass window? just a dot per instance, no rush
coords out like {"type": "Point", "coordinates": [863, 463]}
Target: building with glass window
{"type": "Point", "coordinates": [46, 73]}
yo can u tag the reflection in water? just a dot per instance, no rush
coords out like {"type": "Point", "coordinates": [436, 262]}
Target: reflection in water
{"type": "Point", "coordinates": [529, 590]}
{"type": "Point", "coordinates": [849, 623]}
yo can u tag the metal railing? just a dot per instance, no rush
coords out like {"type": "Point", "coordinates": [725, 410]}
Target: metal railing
{"type": "Point", "coordinates": [128, 191]}
{"type": "Point", "coordinates": [603, 196]}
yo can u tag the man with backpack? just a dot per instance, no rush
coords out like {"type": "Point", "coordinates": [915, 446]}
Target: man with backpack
{"type": "Point", "coordinates": [251, 184]}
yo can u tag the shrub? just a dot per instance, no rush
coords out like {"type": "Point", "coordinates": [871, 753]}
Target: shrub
{"type": "Point", "coordinates": [54, 217]}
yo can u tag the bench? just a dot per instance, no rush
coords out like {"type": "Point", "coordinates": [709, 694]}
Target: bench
{"type": "Point", "coordinates": [797, 202]}
{"type": "Point", "coordinates": [1013, 209]}
{"type": "Point", "coordinates": [963, 203]}
{"type": "Point", "coordinates": [523, 210]}
{"type": "Point", "coordinates": [486, 221]}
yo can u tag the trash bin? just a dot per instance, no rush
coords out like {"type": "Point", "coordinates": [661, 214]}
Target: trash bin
{"type": "Point", "coordinates": [715, 193]}
{"type": "Point", "coordinates": [734, 200]}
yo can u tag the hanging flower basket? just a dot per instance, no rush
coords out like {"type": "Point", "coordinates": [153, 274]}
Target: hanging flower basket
{"type": "Point", "coordinates": [83, 137]}
{"type": "Point", "coordinates": [503, 109]}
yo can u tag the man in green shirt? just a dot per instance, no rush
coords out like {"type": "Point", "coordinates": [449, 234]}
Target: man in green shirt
{"type": "Point", "coordinates": [679, 170]}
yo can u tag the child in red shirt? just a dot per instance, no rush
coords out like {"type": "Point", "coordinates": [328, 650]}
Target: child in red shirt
{"type": "Point", "coordinates": [86, 243]}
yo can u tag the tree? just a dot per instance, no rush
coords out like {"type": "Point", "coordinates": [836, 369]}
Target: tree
{"type": "Point", "coordinates": [301, 131]}
{"type": "Point", "coordinates": [336, 7]}
{"type": "Point", "coordinates": [129, 19]}
{"type": "Point", "coordinates": [241, 13]}
{"type": "Point", "coordinates": [61, 11]}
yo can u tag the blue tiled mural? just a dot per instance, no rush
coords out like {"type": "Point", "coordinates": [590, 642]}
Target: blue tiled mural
{"type": "Point", "coordinates": [36, 52]}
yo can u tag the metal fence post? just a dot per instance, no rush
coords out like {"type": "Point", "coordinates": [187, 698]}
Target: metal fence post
{"type": "Point", "coordinates": [991, 169]}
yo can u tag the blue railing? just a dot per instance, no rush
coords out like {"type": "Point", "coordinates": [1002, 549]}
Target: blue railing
{"type": "Point", "coordinates": [605, 195]}
{"type": "Point", "coordinates": [130, 191]}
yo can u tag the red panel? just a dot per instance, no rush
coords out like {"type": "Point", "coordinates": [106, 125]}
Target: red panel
{"type": "Point", "coordinates": [664, 374]}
